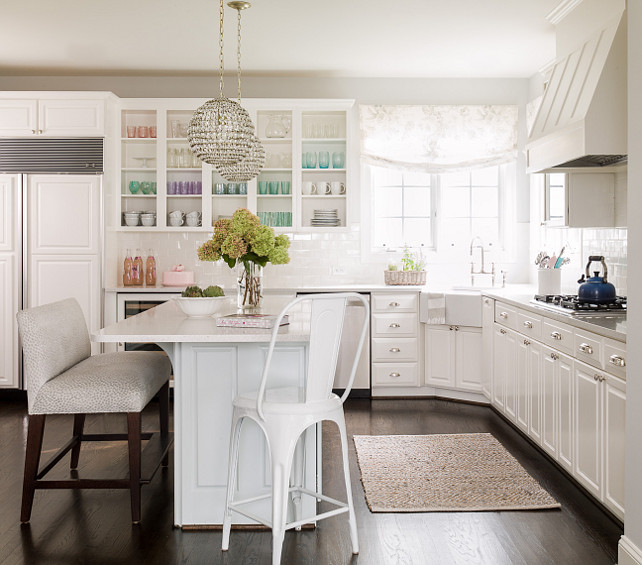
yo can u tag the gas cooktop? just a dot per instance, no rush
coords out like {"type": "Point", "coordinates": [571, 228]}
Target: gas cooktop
{"type": "Point", "coordinates": [571, 304]}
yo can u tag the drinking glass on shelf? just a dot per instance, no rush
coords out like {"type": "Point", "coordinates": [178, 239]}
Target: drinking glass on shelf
{"type": "Point", "coordinates": [175, 128]}
{"type": "Point", "coordinates": [324, 159]}
{"type": "Point", "coordinates": [171, 158]}
{"type": "Point", "coordinates": [338, 160]}
{"type": "Point", "coordinates": [134, 186]}
{"type": "Point", "coordinates": [131, 131]}
{"type": "Point", "coordinates": [243, 188]}
{"type": "Point", "coordinates": [142, 131]}
{"type": "Point", "coordinates": [171, 187]}
{"type": "Point", "coordinates": [311, 159]}
{"type": "Point", "coordinates": [219, 188]}
{"type": "Point", "coordinates": [152, 131]}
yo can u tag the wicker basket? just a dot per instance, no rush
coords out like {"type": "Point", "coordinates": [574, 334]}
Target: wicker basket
{"type": "Point", "coordinates": [405, 277]}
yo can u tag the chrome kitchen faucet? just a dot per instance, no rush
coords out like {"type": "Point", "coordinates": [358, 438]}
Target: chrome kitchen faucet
{"type": "Point", "coordinates": [477, 243]}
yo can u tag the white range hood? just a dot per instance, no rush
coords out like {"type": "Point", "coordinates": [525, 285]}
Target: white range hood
{"type": "Point", "coordinates": [581, 121]}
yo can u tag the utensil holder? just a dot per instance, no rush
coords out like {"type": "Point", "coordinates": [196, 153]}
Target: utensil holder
{"type": "Point", "coordinates": [549, 281]}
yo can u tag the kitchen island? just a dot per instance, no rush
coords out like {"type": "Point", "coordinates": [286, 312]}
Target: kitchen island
{"type": "Point", "coordinates": [211, 365]}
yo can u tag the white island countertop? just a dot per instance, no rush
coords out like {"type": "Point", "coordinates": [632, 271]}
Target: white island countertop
{"type": "Point", "coordinates": [167, 323]}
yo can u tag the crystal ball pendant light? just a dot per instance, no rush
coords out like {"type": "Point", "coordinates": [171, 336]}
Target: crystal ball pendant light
{"type": "Point", "coordinates": [221, 131]}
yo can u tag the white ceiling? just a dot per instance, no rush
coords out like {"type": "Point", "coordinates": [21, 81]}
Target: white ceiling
{"type": "Point", "coordinates": [357, 38]}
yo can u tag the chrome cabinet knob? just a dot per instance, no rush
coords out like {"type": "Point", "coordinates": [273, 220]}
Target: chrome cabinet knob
{"type": "Point", "coordinates": [503, 315]}
{"type": "Point", "coordinates": [556, 335]}
{"type": "Point", "coordinates": [528, 324]}
{"type": "Point", "coordinates": [395, 375]}
{"type": "Point", "coordinates": [393, 304]}
{"type": "Point", "coordinates": [502, 331]}
{"type": "Point", "coordinates": [617, 361]}
{"type": "Point", "coordinates": [394, 325]}
{"type": "Point", "coordinates": [586, 348]}
{"type": "Point", "coordinates": [554, 356]}
{"type": "Point", "coordinates": [526, 342]}
{"type": "Point", "coordinates": [394, 350]}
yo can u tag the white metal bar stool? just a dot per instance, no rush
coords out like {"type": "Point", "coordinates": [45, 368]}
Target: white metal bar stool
{"type": "Point", "coordinates": [285, 413]}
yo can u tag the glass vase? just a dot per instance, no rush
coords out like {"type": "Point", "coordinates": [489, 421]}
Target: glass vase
{"type": "Point", "coordinates": [249, 279]}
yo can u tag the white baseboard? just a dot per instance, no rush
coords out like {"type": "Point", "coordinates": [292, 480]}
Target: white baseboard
{"type": "Point", "coordinates": [628, 553]}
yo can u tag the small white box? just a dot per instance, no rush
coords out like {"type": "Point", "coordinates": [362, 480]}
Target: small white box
{"type": "Point", "coordinates": [549, 281]}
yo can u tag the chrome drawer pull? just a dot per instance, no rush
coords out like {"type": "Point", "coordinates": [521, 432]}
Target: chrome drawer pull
{"type": "Point", "coordinates": [394, 325]}
{"type": "Point", "coordinates": [395, 375]}
{"type": "Point", "coordinates": [586, 348]}
{"type": "Point", "coordinates": [394, 304]}
{"type": "Point", "coordinates": [528, 325]}
{"type": "Point", "coordinates": [503, 315]}
{"type": "Point", "coordinates": [486, 301]}
{"type": "Point", "coordinates": [617, 361]}
{"type": "Point", "coordinates": [394, 350]}
{"type": "Point", "coordinates": [556, 335]}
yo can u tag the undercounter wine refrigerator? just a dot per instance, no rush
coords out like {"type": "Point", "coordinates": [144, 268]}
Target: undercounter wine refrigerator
{"type": "Point", "coordinates": [50, 249]}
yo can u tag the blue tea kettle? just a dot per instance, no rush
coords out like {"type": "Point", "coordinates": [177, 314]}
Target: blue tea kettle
{"type": "Point", "coordinates": [595, 289]}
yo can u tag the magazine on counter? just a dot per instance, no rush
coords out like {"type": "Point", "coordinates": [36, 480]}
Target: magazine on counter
{"type": "Point", "coordinates": [250, 320]}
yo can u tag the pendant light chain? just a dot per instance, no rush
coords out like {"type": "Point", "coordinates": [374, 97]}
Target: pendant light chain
{"type": "Point", "coordinates": [238, 53]}
{"type": "Point", "coordinates": [220, 56]}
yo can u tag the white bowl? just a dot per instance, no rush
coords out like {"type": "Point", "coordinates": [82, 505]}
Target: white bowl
{"type": "Point", "coordinates": [202, 306]}
{"type": "Point", "coordinates": [131, 221]}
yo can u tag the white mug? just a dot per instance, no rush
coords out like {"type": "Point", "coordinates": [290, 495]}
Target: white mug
{"type": "Point", "coordinates": [337, 187]}
{"type": "Point", "coordinates": [175, 221]}
{"type": "Point", "coordinates": [308, 188]}
{"type": "Point", "coordinates": [323, 187]}
{"type": "Point", "coordinates": [193, 221]}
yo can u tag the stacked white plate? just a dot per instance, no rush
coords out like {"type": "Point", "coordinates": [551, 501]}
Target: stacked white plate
{"type": "Point", "coordinates": [325, 218]}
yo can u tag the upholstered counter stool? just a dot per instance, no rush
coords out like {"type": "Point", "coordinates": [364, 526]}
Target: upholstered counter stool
{"type": "Point", "coordinates": [63, 377]}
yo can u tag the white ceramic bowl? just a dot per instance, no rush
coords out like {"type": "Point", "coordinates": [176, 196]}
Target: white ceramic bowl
{"type": "Point", "coordinates": [202, 306]}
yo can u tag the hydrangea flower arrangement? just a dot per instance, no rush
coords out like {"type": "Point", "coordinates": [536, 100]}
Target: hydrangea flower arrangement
{"type": "Point", "coordinates": [244, 239]}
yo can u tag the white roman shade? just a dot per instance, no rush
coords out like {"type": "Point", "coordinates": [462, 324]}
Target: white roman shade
{"type": "Point", "coordinates": [438, 139]}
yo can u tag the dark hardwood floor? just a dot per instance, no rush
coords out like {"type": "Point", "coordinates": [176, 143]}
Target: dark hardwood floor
{"type": "Point", "coordinates": [93, 527]}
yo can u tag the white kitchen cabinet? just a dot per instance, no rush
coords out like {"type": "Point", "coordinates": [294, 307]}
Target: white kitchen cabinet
{"type": "Point", "coordinates": [10, 256]}
{"type": "Point", "coordinates": [52, 117]}
{"type": "Point", "coordinates": [318, 128]}
{"type": "Point", "coordinates": [579, 200]}
{"type": "Point", "coordinates": [394, 340]}
{"type": "Point", "coordinates": [534, 397]}
{"type": "Point", "coordinates": [488, 319]}
{"type": "Point", "coordinates": [505, 371]}
{"type": "Point", "coordinates": [599, 420]}
{"type": "Point", "coordinates": [453, 357]}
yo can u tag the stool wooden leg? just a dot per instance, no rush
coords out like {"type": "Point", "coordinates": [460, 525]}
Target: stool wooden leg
{"type": "Point", "coordinates": [163, 408]}
{"type": "Point", "coordinates": [134, 442]}
{"type": "Point", "coordinates": [79, 424]}
{"type": "Point", "coordinates": [35, 434]}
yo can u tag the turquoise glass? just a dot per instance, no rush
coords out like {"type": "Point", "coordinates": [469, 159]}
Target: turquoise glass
{"type": "Point", "coordinates": [324, 159]}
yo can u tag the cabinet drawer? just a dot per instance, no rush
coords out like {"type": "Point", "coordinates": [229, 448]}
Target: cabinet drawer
{"type": "Point", "coordinates": [385, 325]}
{"type": "Point", "coordinates": [529, 324]}
{"type": "Point", "coordinates": [394, 349]}
{"type": "Point", "coordinates": [407, 302]}
{"type": "Point", "coordinates": [505, 315]}
{"type": "Point", "coordinates": [588, 348]}
{"type": "Point", "coordinates": [395, 374]}
{"type": "Point", "coordinates": [614, 359]}
{"type": "Point", "coordinates": [558, 336]}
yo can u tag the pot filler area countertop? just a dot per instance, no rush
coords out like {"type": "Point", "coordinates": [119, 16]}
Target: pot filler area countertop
{"type": "Point", "coordinates": [461, 306]}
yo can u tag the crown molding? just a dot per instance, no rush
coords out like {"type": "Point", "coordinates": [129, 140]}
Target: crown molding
{"type": "Point", "coordinates": [563, 9]}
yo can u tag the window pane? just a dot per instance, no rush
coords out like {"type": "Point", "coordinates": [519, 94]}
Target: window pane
{"type": "Point", "coordinates": [455, 232]}
{"type": "Point", "coordinates": [485, 177]}
{"type": "Point", "coordinates": [387, 202]}
{"type": "Point", "coordinates": [416, 179]}
{"type": "Point", "coordinates": [455, 179]}
{"type": "Point", "coordinates": [557, 201]}
{"type": "Point", "coordinates": [487, 229]}
{"type": "Point", "coordinates": [417, 232]}
{"type": "Point", "coordinates": [455, 202]}
{"type": "Point", "coordinates": [417, 201]}
{"type": "Point", "coordinates": [386, 177]}
{"type": "Point", "coordinates": [387, 232]}
{"type": "Point", "coordinates": [485, 201]}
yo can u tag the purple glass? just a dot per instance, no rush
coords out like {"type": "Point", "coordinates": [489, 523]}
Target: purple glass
{"type": "Point", "coordinates": [199, 187]}
{"type": "Point", "coordinates": [192, 187]}
{"type": "Point", "coordinates": [182, 187]}
{"type": "Point", "coordinates": [171, 187]}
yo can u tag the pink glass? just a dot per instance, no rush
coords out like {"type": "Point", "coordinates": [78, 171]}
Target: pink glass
{"type": "Point", "coordinates": [131, 131]}
{"type": "Point", "coordinates": [143, 131]}
{"type": "Point", "coordinates": [152, 131]}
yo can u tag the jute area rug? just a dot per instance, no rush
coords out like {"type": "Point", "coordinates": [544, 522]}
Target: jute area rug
{"type": "Point", "coordinates": [445, 473]}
